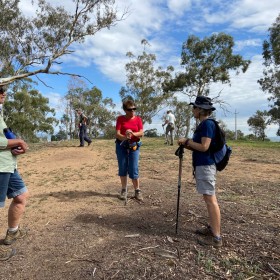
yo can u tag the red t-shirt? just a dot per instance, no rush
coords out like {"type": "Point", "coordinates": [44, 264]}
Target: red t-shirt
{"type": "Point", "coordinates": [123, 124]}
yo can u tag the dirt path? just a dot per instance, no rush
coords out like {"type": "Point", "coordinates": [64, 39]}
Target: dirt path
{"type": "Point", "coordinates": [78, 229]}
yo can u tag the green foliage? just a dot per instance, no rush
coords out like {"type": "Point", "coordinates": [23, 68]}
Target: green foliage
{"type": "Point", "coordinates": [151, 132]}
{"type": "Point", "coordinates": [31, 45]}
{"type": "Point", "coordinates": [207, 61]}
{"type": "Point", "coordinates": [258, 124]}
{"type": "Point", "coordinates": [146, 84]}
{"type": "Point", "coordinates": [98, 109]}
{"type": "Point", "coordinates": [230, 134]}
{"type": "Point", "coordinates": [109, 132]}
{"type": "Point", "coordinates": [61, 135]}
{"type": "Point", "coordinates": [182, 112]}
{"type": "Point", "coordinates": [270, 82]}
{"type": "Point", "coordinates": [28, 113]}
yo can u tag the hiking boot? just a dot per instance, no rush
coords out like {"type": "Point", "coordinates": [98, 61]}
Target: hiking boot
{"type": "Point", "coordinates": [122, 195]}
{"type": "Point", "coordinates": [205, 231]}
{"type": "Point", "coordinates": [138, 195]}
{"type": "Point", "coordinates": [6, 253]}
{"type": "Point", "coordinates": [210, 241]}
{"type": "Point", "coordinates": [13, 236]}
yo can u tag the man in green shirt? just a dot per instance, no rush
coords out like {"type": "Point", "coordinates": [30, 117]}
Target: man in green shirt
{"type": "Point", "coordinates": [11, 183]}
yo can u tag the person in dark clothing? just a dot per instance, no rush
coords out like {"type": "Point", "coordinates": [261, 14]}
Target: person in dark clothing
{"type": "Point", "coordinates": [205, 169]}
{"type": "Point", "coordinates": [83, 128]}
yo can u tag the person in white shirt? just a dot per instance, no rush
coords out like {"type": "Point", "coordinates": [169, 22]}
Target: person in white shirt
{"type": "Point", "coordinates": [170, 121]}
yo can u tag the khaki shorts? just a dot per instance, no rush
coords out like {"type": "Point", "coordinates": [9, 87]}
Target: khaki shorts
{"type": "Point", "coordinates": [205, 177]}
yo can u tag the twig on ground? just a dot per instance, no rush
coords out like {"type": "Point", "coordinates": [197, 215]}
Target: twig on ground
{"type": "Point", "coordinates": [250, 278]}
{"type": "Point", "coordinates": [273, 269]}
{"type": "Point", "coordinates": [147, 248]}
{"type": "Point", "coordinates": [133, 235]}
{"type": "Point", "coordinates": [179, 253]}
{"type": "Point", "coordinates": [166, 253]}
{"type": "Point", "coordinates": [115, 274]}
{"type": "Point", "coordinates": [83, 260]}
{"type": "Point", "coordinates": [93, 272]}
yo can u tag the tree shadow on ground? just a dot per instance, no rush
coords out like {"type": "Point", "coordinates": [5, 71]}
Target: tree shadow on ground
{"type": "Point", "coordinates": [74, 195]}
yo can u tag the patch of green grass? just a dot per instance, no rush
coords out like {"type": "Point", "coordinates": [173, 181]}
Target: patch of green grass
{"type": "Point", "coordinates": [255, 144]}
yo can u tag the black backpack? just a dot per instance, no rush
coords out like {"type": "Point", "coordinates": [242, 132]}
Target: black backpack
{"type": "Point", "coordinates": [221, 152]}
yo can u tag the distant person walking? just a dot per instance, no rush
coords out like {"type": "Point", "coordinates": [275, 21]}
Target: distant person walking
{"type": "Point", "coordinates": [170, 121]}
{"type": "Point", "coordinates": [11, 183]}
{"type": "Point", "coordinates": [205, 168]}
{"type": "Point", "coordinates": [129, 129]}
{"type": "Point", "coordinates": [83, 128]}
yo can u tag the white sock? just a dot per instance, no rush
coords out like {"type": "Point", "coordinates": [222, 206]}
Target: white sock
{"type": "Point", "coordinates": [13, 229]}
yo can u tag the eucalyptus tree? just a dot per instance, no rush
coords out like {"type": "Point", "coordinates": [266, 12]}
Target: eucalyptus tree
{"type": "Point", "coordinates": [146, 83]}
{"type": "Point", "coordinates": [258, 124]}
{"type": "Point", "coordinates": [28, 114]}
{"type": "Point", "coordinates": [207, 61]}
{"type": "Point", "coordinates": [99, 110]}
{"type": "Point", "coordinates": [182, 113]}
{"type": "Point", "coordinates": [33, 45]}
{"type": "Point", "coordinates": [270, 83]}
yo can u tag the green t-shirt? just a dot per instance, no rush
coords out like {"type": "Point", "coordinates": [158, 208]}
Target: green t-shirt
{"type": "Point", "coordinates": [8, 162]}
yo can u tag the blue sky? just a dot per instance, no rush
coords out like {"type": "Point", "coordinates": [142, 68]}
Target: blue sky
{"type": "Point", "coordinates": [166, 24]}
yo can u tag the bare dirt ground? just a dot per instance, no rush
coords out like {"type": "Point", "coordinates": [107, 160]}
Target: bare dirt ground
{"type": "Point", "coordinates": [78, 229]}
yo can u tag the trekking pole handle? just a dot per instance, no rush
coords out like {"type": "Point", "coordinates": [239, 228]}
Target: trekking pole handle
{"type": "Point", "coordinates": [180, 151]}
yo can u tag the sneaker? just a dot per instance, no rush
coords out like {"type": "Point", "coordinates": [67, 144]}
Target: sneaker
{"type": "Point", "coordinates": [138, 195]}
{"type": "Point", "coordinates": [6, 253]}
{"type": "Point", "coordinates": [204, 231]}
{"type": "Point", "coordinates": [122, 195]}
{"type": "Point", "coordinates": [13, 236]}
{"type": "Point", "coordinates": [210, 241]}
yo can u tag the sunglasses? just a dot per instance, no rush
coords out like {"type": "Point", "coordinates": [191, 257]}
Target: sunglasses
{"type": "Point", "coordinates": [131, 109]}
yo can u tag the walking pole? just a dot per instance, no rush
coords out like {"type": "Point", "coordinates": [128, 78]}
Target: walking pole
{"type": "Point", "coordinates": [179, 152]}
{"type": "Point", "coordinates": [125, 201]}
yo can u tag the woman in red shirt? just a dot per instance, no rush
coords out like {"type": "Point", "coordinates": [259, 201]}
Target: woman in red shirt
{"type": "Point", "coordinates": [129, 129]}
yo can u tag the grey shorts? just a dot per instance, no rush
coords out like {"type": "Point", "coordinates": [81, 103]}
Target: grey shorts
{"type": "Point", "coordinates": [205, 177]}
{"type": "Point", "coordinates": [11, 186]}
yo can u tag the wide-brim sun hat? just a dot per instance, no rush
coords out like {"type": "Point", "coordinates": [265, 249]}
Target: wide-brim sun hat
{"type": "Point", "coordinates": [203, 102]}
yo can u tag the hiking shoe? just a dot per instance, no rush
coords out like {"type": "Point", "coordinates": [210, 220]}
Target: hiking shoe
{"type": "Point", "coordinates": [205, 231]}
{"type": "Point", "coordinates": [122, 195]}
{"type": "Point", "coordinates": [138, 195]}
{"type": "Point", "coordinates": [210, 241]}
{"type": "Point", "coordinates": [13, 236]}
{"type": "Point", "coordinates": [6, 253]}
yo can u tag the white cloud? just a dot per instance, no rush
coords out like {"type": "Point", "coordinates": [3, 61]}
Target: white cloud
{"type": "Point", "coordinates": [241, 44]}
{"type": "Point", "coordinates": [178, 7]}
